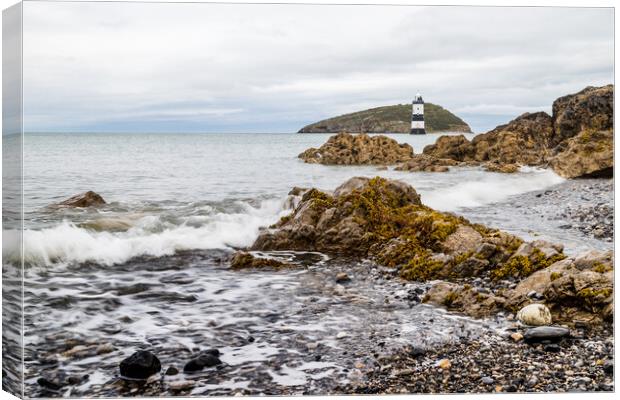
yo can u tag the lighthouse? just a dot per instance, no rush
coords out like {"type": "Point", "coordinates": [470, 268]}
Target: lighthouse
{"type": "Point", "coordinates": [417, 116]}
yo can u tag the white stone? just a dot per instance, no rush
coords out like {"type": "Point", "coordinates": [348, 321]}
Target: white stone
{"type": "Point", "coordinates": [535, 315]}
{"type": "Point", "coordinates": [341, 335]}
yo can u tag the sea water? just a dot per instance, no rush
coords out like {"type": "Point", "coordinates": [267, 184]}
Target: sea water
{"type": "Point", "coordinates": [148, 270]}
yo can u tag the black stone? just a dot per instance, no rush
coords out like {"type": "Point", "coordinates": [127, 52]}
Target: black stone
{"type": "Point", "coordinates": [205, 359]}
{"type": "Point", "coordinates": [140, 365]}
{"type": "Point", "coordinates": [172, 371]}
{"type": "Point", "coordinates": [545, 334]}
{"type": "Point", "coordinates": [49, 384]}
{"type": "Point", "coordinates": [552, 348]}
{"type": "Point", "coordinates": [608, 367]}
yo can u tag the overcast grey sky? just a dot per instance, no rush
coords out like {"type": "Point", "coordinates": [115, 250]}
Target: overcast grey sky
{"type": "Point", "coordinates": [274, 68]}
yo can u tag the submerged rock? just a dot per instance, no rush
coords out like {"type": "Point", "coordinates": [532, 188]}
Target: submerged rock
{"type": "Point", "coordinates": [242, 260]}
{"type": "Point", "coordinates": [348, 149]}
{"type": "Point", "coordinates": [86, 199]}
{"type": "Point", "coordinates": [206, 359]}
{"type": "Point", "coordinates": [140, 365]}
{"type": "Point", "coordinates": [535, 315]}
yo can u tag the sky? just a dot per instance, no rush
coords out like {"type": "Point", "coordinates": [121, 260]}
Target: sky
{"type": "Point", "coordinates": [162, 67]}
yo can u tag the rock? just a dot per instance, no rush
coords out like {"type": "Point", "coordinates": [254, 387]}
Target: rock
{"type": "Point", "coordinates": [140, 365]}
{"type": "Point", "coordinates": [208, 358]}
{"type": "Point", "coordinates": [463, 298]}
{"type": "Point", "coordinates": [342, 277]}
{"type": "Point", "coordinates": [452, 147]}
{"type": "Point", "coordinates": [105, 348]}
{"type": "Point", "coordinates": [579, 289]}
{"type": "Point", "coordinates": [341, 335]}
{"type": "Point", "coordinates": [545, 333]}
{"type": "Point", "coordinates": [590, 154]}
{"type": "Point", "coordinates": [577, 141]}
{"type": "Point", "coordinates": [172, 371]}
{"type": "Point", "coordinates": [535, 315]}
{"type": "Point", "coordinates": [552, 348]}
{"type": "Point", "coordinates": [427, 163]}
{"type": "Point", "coordinates": [181, 385]}
{"type": "Point", "coordinates": [591, 108]}
{"type": "Point", "coordinates": [86, 199]}
{"type": "Point", "coordinates": [501, 168]}
{"type": "Point", "coordinates": [347, 149]}
{"type": "Point", "coordinates": [385, 220]}
{"type": "Point", "coordinates": [243, 260]}
{"type": "Point", "coordinates": [487, 380]}
{"type": "Point", "coordinates": [444, 364]}
{"type": "Point", "coordinates": [608, 367]}
{"type": "Point", "coordinates": [464, 239]}
{"type": "Point", "coordinates": [516, 337]}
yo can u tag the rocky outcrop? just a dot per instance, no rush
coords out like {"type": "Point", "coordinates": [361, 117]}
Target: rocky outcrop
{"type": "Point", "coordinates": [347, 149]}
{"type": "Point", "coordinates": [590, 109]}
{"type": "Point", "coordinates": [86, 199]}
{"type": "Point", "coordinates": [389, 119]}
{"type": "Point", "coordinates": [574, 289]}
{"type": "Point", "coordinates": [577, 141]}
{"type": "Point", "coordinates": [521, 141]}
{"type": "Point", "coordinates": [385, 220]}
{"type": "Point", "coordinates": [590, 154]}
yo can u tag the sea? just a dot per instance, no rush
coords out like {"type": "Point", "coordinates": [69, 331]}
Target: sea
{"type": "Point", "coordinates": [148, 270]}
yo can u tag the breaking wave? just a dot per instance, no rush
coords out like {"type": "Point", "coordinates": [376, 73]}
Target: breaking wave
{"type": "Point", "coordinates": [70, 243]}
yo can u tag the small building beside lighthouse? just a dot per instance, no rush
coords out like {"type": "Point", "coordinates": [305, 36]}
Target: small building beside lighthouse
{"type": "Point", "coordinates": [417, 116]}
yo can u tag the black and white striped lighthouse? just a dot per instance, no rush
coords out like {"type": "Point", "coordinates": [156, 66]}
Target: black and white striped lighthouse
{"type": "Point", "coordinates": [417, 116]}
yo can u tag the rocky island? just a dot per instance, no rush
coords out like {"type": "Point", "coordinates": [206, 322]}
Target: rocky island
{"type": "Point", "coordinates": [390, 119]}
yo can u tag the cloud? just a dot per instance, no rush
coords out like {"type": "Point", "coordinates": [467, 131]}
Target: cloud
{"type": "Point", "coordinates": [230, 67]}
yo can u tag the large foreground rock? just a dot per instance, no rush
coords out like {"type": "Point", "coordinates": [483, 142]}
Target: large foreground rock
{"type": "Point", "coordinates": [348, 149]}
{"type": "Point", "coordinates": [385, 220]}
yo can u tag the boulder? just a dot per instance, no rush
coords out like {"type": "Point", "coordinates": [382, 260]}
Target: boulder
{"type": "Point", "coordinates": [590, 109]}
{"type": "Point", "coordinates": [463, 298]}
{"type": "Point", "coordinates": [140, 365]}
{"type": "Point", "coordinates": [576, 289]}
{"type": "Point", "coordinates": [205, 359]}
{"type": "Point", "coordinates": [453, 147]}
{"type": "Point", "coordinates": [426, 163]}
{"type": "Point", "coordinates": [362, 149]}
{"type": "Point", "coordinates": [86, 199]}
{"type": "Point", "coordinates": [535, 315]}
{"type": "Point", "coordinates": [385, 220]}
{"type": "Point", "coordinates": [590, 154]}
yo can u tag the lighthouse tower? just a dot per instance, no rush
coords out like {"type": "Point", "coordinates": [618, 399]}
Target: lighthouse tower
{"type": "Point", "coordinates": [417, 116]}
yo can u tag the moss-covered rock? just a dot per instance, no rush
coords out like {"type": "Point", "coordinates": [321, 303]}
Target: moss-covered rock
{"type": "Point", "coordinates": [385, 220]}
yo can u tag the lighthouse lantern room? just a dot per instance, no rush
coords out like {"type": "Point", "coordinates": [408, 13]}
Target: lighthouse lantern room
{"type": "Point", "coordinates": [417, 116]}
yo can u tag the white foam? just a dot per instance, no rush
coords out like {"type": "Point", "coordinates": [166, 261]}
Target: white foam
{"type": "Point", "coordinates": [67, 242]}
{"type": "Point", "coordinates": [491, 188]}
